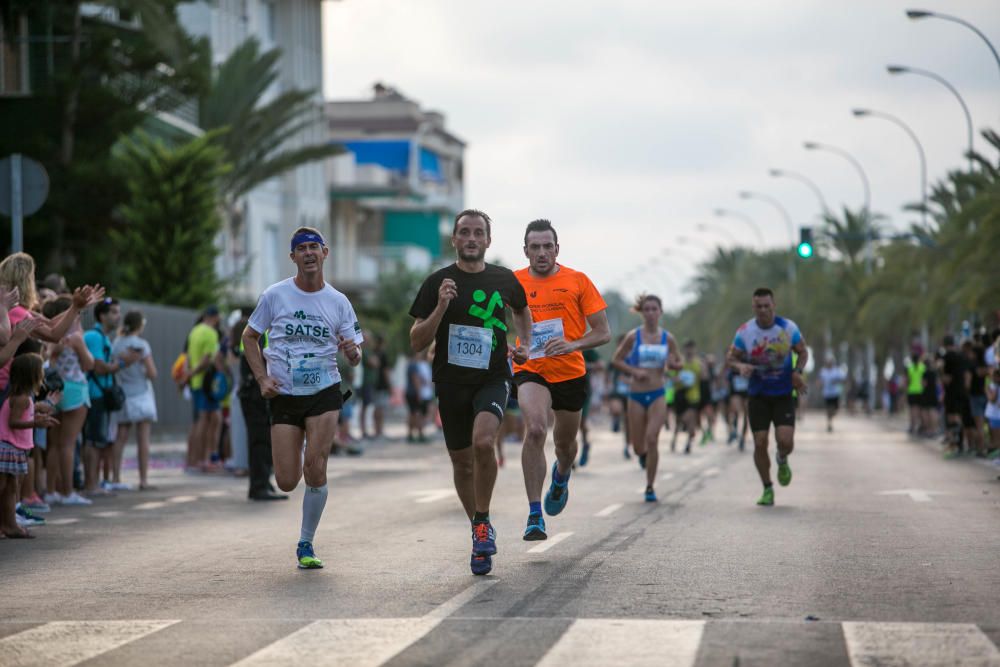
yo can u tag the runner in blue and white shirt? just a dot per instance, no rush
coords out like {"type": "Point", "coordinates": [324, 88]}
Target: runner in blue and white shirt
{"type": "Point", "coordinates": [307, 322]}
{"type": "Point", "coordinates": [762, 352]}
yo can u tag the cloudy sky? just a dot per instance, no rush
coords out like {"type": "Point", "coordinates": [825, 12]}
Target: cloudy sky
{"type": "Point", "coordinates": [627, 123]}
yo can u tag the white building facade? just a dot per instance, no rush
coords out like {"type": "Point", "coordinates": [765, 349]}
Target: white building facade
{"type": "Point", "coordinates": [256, 254]}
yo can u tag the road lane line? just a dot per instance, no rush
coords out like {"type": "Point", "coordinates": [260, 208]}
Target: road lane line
{"type": "Point", "coordinates": [609, 510]}
{"type": "Point", "coordinates": [66, 643]}
{"type": "Point", "coordinates": [182, 499]}
{"type": "Point", "coordinates": [217, 494]}
{"type": "Point", "coordinates": [596, 642]}
{"type": "Point", "coordinates": [109, 514]}
{"type": "Point", "coordinates": [60, 522]}
{"type": "Point", "coordinates": [711, 472]}
{"type": "Point", "coordinates": [357, 642]}
{"type": "Point", "coordinates": [156, 504]}
{"type": "Point", "coordinates": [918, 644]}
{"type": "Point", "coordinates": [549, 543]}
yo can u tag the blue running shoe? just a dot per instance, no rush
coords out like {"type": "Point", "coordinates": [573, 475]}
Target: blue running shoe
{"type": "Point", "coordinates": [307, 558]}
{"type": "Point", "coordinates": [650, 495]}
{"type": "Point", "coordinates": [484, 539]}
{"type": "Point", "coordinates": [535, 530]}
{"type": "Point", "coordinates": [558, 494]}
{"type": "Point", "coordinates": [481, 564]}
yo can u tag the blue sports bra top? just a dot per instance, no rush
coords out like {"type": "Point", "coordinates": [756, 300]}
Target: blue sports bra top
{"type": "Point", "coordinates": [648, 356]}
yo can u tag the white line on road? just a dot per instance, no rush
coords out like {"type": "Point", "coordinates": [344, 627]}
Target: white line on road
{"type": "Point", "coordinates": [432, 495]}
{"type": "Point", "coordinates": [65, 643]}
{"type": "Point", "coordinates": [918, 644]}
{"type": "Point", "coordinates": [711, 472]}
{"type": "Point", "coordinates": [60, 522]}
{"type": "Point", "coordinates": [665, 476]}
{"type": "Point", "coordinates": [357, 642]}
{"type": "Point", "coordinates": [214, 494]}
{"type": "Point", "coordinates": [109, 514]}
{"type": "Point", "coordinates": [156, 504]}
{"type": "Point", "coordinates": [182, 499]}
{"type": "Point", "coordinates": [609, 510]}
{"type": "Point", "coordinates": [916, 495]}
{"type": "Point", "coordinates": [594, 642]}
{"type": "Point", "coordinates": [549, 543]}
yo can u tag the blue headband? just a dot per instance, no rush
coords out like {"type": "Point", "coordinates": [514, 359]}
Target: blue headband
{"type": "Point", "coordinates": [306, 237]}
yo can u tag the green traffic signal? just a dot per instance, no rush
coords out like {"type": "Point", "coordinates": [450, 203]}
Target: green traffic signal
{"type": "Point", "coordinates": [805, 247]}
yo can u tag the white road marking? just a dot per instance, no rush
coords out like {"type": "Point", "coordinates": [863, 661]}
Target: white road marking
{"type": "Point", "coordinates": [108, 514]}
{"type": "Point", "coordinates": [596, 642]}
{"type": "Point", "coordinates": [665, 476]}
{"type": "Point", "coordinates": [155, 504]}
{"type": "Point", "coordinates": [711, 472]}
{"type": "Point", "coordinates": [918, 644]}
{"type": "Point", "coordinates": [916, 495]}
{"type": "Point", "coordinates": [432, 495]}
{"type": "Point", "coordinates": [213, 494]}
{"type": "Point", "coordinates": [357, 642]}
{"type": "Point", "coordinates": [549, 543]}
{"type": "Point", "coordinates": [609, 510]}
{"type": "Point", "coordinates": [182, 499]}
{"type": "Point", "coordinates": [65, 643]}
{"type": "Point", "coordinates": [60, 522]}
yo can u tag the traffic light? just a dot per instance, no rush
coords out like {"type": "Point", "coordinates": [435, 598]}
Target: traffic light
{"type": "Point", "coordinates": [805, 248]}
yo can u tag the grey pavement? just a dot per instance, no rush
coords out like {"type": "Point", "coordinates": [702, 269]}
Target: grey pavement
{"type": "Point", "coordinates": [879, 553]}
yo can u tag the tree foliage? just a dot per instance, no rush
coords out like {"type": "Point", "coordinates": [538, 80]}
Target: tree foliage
{"type": "Point", "coordinates": [165, 246]}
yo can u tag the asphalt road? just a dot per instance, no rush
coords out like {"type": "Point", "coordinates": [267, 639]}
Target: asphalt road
{"type": "Point", "coordinates": [879, 553]}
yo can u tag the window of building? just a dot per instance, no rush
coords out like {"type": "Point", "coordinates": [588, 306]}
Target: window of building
{"type": "Point", "coordinates": [14, 57]}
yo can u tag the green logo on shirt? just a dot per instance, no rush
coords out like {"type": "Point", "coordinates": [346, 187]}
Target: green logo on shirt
{"type": "Point", "coordinates": [486, 314]}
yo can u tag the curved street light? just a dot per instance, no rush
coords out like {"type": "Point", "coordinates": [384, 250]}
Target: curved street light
{"type": "Point", "coordinates": [816, 146]}
{"type": "Point", "coordinates": [725, 213]}
{"type": "Point", "coordinates": [785, 173]}
{"type": "Point", "coordinates": [917, 14]}
{"type": "Point", "coordinates": [864, 113]}
{"type": "Point", "coordinates": [788, 220]}
{"type": "Point", "coordinates": [902, 69]}
{"type": "Point", "coordinates": [718, 231]}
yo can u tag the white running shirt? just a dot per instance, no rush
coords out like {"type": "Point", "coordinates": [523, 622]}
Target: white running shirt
{"type": "Point", "coordinates": [304, 330]}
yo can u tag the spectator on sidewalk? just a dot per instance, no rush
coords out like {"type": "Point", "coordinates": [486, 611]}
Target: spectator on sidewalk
{"type": "Point", "coordinates": [136, 380]}
{"type": "Point", "coordinates": [97, 437]}
{"type": "Point", "coordinates": [202, 349]}
{"type": "Point", "coordinates": [419, 394]}
{"type": "Point", "coordinates": [375, 388]}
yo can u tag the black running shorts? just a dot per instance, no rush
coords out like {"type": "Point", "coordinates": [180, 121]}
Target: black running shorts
{"type": "Point", "coordinates": [294, 410]}
{"type": "Point", "coordinates": [766, 410]}
{"type": "Point", "coordinates": [459, 404]}
{"type": "Point", "coordinates": [569, 395]}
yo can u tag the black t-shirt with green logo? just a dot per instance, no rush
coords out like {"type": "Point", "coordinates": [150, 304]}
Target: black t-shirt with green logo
{"type": "Point", "coordinates": [482, 302]}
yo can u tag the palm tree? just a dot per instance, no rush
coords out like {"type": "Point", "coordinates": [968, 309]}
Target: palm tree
{"type": "Point", "coordinates": [260, 137]}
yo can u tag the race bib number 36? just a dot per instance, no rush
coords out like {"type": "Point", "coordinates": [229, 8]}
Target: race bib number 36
{"type": "Point", "coordinates": [541, 333]}
{"type": "Point", "coordinates": [469, 347]}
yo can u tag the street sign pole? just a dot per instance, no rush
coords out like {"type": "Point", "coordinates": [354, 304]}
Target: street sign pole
{"type": "Point", "coordinates": [16, 213]}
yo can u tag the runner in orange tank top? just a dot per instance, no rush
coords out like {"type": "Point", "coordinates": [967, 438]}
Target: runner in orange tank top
{"type": "Point", "coordinates": [563, 303]}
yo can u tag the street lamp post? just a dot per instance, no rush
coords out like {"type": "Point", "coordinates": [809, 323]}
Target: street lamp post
{"type": "Point", "coordinates": [725, 213]}
{"type": "Point", "coordinates": [862, 113]}
{"type": "Point", "coordinates": [784, 173]}
{"type": "Point", "coordinates": [816, 146]}
{"type": "Point", "coordinates": [788, 221]}
{"type": "Point", "coordinates": [902, 69]}
{"type": "Point", "coordinates": [718, 231]}
{"type": "Point", "coordinates": [917, 14]}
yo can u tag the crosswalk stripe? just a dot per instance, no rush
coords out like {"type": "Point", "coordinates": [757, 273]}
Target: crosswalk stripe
{"type": "Point", "coordinates": [593, 642]}
{"type": "Point", "coordinates": [66, 643]}
{"type": "Point", "coordinates": [549, 543]}
{"type": "Point", "coordinates": [609, 510]}
{"type": "Point", "coordinates": [356, 642]}
{"type": "Point", "coordinates": [918, 644]}
{"type": "Point", "coordinates": [350, 642]}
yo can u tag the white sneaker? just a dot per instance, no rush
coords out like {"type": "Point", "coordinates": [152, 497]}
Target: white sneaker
{"type": "Point", "coordinates": [76, 499]}
{"type": "Point", "coordinates": [54, 498]}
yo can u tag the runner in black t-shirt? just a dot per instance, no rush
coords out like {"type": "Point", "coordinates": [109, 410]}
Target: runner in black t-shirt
{"type": "Point", "coordinates": [462, 308]}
